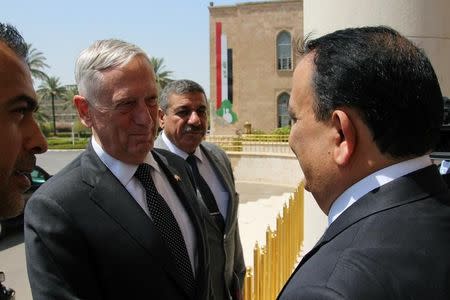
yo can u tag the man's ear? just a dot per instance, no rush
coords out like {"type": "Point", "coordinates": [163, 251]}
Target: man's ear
{"type": "Point", "coordinates": [345, 139]}
{"type": "Point", "coordinates": [162, 117]}
{"type": "Point", "coordinates": [83, 110]}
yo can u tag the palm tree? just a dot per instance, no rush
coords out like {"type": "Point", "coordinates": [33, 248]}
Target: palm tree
{"type": "Point", "coordinates": [162, 76]}
{"type": "Point", "coordinates": [36, 62]}
{"type": "Point", "coordinates": [51, 88]}
{"type": "Point", "coordinates": [70, 91]}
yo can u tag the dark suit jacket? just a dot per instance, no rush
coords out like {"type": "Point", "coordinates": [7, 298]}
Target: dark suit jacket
{"type": "Point", "coordinates": [87, 238]}
{"type": "Point", "coordinates": [394, 243]}
{"type": "Point", "coordinates": [227, 267]}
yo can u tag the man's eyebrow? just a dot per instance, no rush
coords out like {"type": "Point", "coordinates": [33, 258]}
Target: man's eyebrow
{"type": "Point", "coordinates": [182, 107]}
{"type": "Point", "coordinates": [30, 101]}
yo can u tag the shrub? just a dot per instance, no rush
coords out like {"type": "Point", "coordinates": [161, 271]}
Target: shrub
{"type": "Point", "coordinates": [80, 129]}
{"type": "Point", "coordinates": [66, 143]}
{"type": "Point", "coordinates": [257, 131]}
{"type": "Point", "coordinates": [46, 128]}
{"type": "Point", "coordinates": [282, 130]}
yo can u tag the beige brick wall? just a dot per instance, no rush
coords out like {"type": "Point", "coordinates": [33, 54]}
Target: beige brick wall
{"type": "Point", "coordinates": [251, 30]}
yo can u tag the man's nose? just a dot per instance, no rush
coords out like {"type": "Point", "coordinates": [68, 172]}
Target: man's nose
{"type": "Point", "coordinates": [194, 118]}
{"type": "Point", "coordinates": [142, 114]}
{"type": "Point", "coordinates": [35, 141]}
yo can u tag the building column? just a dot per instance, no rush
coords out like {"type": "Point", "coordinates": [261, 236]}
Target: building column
{"type": "Point", "coordinates": [425, 22]}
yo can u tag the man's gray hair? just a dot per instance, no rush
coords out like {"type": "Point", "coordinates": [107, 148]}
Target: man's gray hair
{"type": "Point", "coordinates": [178, 87]}
{"type": "Point", "coordinates": [100, 56]}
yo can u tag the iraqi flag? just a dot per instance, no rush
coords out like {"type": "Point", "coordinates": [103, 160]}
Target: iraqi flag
{"type": "Point", "coordinates": [224, 59]}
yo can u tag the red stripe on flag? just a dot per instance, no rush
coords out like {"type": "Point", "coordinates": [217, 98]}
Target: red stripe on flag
{"type": "Point", "coordinates": [218, 64]}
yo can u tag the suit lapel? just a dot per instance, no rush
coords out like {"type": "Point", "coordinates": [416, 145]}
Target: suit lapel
{"type": "Point", "coordinates": [188, 200]}
{"type": "Point", "coordinates": [112, 197]}
{"type": "Point", "coordinates": [410, 188]}
{"type": "Point", "coordinates": [220, 171]}
{"type": "Point", "coordinates": [168, 169]}
{"type": "Point", "coordinates": [159, 143]}
{"type": "Point", "coordinates": [176, 182]}
{"type": "Point", "coordinates": [415, 186]}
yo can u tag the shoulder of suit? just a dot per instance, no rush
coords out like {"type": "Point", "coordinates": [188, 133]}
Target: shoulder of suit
{"type": "Point", "coordinates": [168, 155]}
{"type": "Point", "coordinates": [213, 147]}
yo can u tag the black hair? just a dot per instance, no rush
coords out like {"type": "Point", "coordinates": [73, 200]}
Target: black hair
{"type": "Point", "coordinates": [387, 79]}
{"type": "Point", "coordinates": [12, 38]}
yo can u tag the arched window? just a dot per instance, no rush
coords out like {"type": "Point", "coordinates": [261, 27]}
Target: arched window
{"type": "Point", "coordinates": [284, 51]}
{"type": "Point", "coordinates": [282, 109]}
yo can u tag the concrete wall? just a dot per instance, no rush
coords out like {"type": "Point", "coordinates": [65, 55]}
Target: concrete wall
{"type": "Point", "coordinates": [276, 169]}
{"type": "Point", "coordinates": [426, 22]}
{"type": "Point", "coordinates": [280, 169]}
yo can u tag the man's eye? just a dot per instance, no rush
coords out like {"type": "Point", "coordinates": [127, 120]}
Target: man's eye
{"type": "Point", "coordinates": [125, 105]}
{"type": "Point", "coordinates": [21, 111]}
{"type": "Point", "coordinates": [152, 102]}
{"type": "Point", "coordinates": [183, 113]}
{"type": "Point", "coordinates": [201, 112]}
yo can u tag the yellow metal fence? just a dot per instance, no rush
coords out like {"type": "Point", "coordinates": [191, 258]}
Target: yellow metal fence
{"type": "Point", "coordinates": [248, 142]}
{"type": "Point", "coordinates": [274, 262]}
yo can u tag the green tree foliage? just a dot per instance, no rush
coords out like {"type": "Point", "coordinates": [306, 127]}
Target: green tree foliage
{"type": "Point", "coordinates": [36, 62]}
{"type": "Point", "coordinates": [282, 130]}
{"type": "Point", "coordinates": [70, 91]}
{"type": "Point", "coordinates": [162, 75]}
{"type": "Point", "coordinates": [51, 89]}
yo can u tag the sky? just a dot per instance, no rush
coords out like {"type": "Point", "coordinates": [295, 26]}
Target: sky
{"type": "Point", "coordinates": [176, 30]}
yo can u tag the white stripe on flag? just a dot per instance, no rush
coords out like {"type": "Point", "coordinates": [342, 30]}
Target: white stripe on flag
{"type": "Point", "coordinates": [224, 67]}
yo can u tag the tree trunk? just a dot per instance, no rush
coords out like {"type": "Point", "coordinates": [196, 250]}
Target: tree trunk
{"type": "Point", "coordinates": [53, 111]}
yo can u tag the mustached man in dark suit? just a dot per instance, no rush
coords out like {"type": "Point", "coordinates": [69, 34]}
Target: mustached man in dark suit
{"type": "Point", "coordinates": [366, 109]}
{"type": "Point", "coordinates": [120, 221]}
{"type": "Point", "coordinates": [183, 113]}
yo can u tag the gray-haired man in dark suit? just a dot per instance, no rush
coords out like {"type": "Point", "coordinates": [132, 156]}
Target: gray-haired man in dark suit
{"type": "Point", "coordinates": [121, 220]}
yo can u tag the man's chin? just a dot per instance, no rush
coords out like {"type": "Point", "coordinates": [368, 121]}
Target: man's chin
{"type": "Point", "coordinates": [138, 154]}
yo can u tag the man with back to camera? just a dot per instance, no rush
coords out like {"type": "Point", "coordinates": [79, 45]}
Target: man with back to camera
{"type": "Point", "coordinates": [183, 117]}
{"type": "Point", "coordinates": [120, 221]}
{"type": "Point", "coordinates": [366, 109]}
{"type": "Point", "coordinates": [20, 136]}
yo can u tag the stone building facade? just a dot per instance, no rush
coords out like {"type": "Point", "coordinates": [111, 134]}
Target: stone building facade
{"type": "Point", "coordinates": [252, 58]}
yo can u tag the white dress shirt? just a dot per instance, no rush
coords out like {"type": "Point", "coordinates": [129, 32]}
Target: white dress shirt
{"type": "Point", "coordinates": [373, 181]}
{"type": "Point", "coordinates": [207, 171]}
{"type": "Point", "coordinates": [125, 174]}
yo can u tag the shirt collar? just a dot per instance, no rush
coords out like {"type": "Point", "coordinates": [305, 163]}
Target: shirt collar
{"type": "Point", "coordinates": [174, 149]}
{"type": "Point", "coordinates": [123, 171]}
{"type": "Point", "coordinates": [373, 181]}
